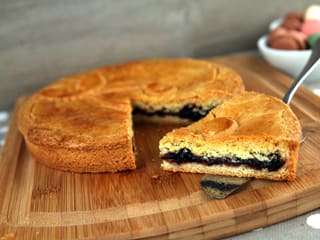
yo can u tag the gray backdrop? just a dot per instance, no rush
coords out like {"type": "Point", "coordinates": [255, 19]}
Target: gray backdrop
{"type": "Point", "coordinates": [43, 40]}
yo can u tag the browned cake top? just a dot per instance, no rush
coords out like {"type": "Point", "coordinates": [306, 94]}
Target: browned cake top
{"type": "Point", "coordinates": [247, 115]}
{"type": "Point", "coordinates": [94, 108]}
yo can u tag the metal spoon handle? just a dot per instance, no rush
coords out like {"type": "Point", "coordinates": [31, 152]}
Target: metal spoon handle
{"type": "Point", "coordinates": [313, 61]}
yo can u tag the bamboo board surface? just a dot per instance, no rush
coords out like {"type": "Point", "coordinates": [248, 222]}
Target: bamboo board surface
{"type": "Point", "coordinates": [37, 202]}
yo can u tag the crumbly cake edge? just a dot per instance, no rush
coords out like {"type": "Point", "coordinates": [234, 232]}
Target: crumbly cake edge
{"type": "Point", "coordinates": [86, 160]}
{"type": "Point", "coordinates": [284, 173]}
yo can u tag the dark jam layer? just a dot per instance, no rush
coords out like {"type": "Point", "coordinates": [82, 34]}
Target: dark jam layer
{"type": "Point", "coordinates": [189, 111]}
{"type": "Point", "coordinates": [184, 155]}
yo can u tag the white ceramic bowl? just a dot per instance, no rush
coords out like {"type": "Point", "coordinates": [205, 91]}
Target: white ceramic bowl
{"type": "Point", "coordinates": [290, 62]}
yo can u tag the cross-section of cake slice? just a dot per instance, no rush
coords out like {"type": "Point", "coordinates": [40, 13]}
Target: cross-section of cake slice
{"type": "Point", "coordinates": [250, 135]}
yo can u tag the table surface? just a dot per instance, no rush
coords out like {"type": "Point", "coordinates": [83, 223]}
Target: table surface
{"type": "Point", "coordinates": [295, 228]}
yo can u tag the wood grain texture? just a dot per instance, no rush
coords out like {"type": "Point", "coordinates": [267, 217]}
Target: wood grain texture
{"type": "Point", "coordinates": [37, 202]}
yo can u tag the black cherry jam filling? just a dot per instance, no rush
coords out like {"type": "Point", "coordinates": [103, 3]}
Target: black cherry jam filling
{"type": "Point", "coordinates": [184, 155]}
{"type": "Point", "coordinates": [190, 111]}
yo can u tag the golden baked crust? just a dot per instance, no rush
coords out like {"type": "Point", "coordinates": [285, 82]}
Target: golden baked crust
{"type": "Point", "coordinates": [83, 122]}
{"type": "Point", "coordinates": [247, 126]}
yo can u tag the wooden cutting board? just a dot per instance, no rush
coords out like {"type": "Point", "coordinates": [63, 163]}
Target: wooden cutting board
{"type": "Point", "coordinates": [37, 202]}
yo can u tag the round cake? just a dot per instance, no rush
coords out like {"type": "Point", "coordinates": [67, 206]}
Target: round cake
{"type": "Point", "coordinates": [83, 123]}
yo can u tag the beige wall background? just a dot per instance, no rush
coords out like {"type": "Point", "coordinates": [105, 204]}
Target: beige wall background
{"type": "Point", "coordinates": [41, 41]}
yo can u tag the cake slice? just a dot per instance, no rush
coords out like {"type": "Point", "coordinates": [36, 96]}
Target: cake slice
{"type": "Point", "coordinates": [250, 135]}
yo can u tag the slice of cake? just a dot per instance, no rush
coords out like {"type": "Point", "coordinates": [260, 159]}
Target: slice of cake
{"type": "Point", "coordinates": [250, 135]}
